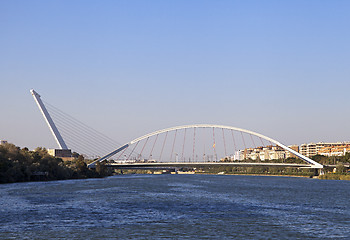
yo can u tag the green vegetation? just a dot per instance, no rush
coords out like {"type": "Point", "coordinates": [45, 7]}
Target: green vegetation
{"type": "Point", "coordinates": [133, 171]}
{"type": "Point", "coordinates": [341, 173]}
{"type": "Point", "coordinates": [334, 176]}
{"type": "Point", "coordinates": [306, 172]}
{"type": "Point", "coordinates": [324, 160]}
{"type": "Point", "coordinates": [287, 160]}
{"type": "Point", "coordinates": [20, 165]}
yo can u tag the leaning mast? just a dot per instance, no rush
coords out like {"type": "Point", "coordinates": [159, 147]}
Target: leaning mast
{"type": "Point", "coordinates": [49, 120]}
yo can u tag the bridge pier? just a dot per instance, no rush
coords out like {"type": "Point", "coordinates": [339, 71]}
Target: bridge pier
{"type": "Point", "coordinates": [319, 171]}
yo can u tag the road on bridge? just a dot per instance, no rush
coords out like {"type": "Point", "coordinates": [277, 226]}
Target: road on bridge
{"type": "Point", "coordinates": [204, 164]}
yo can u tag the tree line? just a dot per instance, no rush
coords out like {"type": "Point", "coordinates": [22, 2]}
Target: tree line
{"type": "Point", "coordinates": [21, 165]}
{"type": "Point", "coordinates": [334, 160]}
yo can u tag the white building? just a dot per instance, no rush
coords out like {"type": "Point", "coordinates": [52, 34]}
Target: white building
{"type": "Point", "coordinates": [239, 155]}
{"type": "Point", "coordinates": [312, 149]}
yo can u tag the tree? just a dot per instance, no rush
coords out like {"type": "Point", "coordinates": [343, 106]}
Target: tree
{"type": "Point", "coordinates": [341, 168]}
{"type": "Point", "coordinates": [101, 168]}
{"type": "Point", "coordinates": [81, 165]}
{"type": "Point", "coordinates": [75, 155]}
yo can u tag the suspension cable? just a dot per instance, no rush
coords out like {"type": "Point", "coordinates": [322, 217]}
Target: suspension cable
{"type": "Point", "coordinates": [214, 147]}
{"type": "Point", "coordinates": [77, 131]}
{"type": "Point", "coordinates": [161, 153]}
{"type": "Point", "coordinates": [122, 153]}
{"type": "Point", "coordinates": [245, 147]}
{"type": "Point", "coordinates": [234, 142]}
{"type": "Point", "coordinates": [73, 134]}
{"type": "Point", "coordinates": [194, 143]}
{"type": "Point", "coordinates": [183, 146]}
{"type": "Point", "coordinates": [262, 142]}
{"type": "Point", "coordinates": [81, 123]}
{"type": "Point", "coordinates": [150, 155]}
{"type": "Point", "coordinates": [132, 151]}
{"type": "Point", "coordinates": [252, 140]}
{"type": "Point", "coordinates": [172, 150]}
{"type": "Point", "coordinates": [223, 136]}
{"type": "Point", "coordinates": [144, 145]}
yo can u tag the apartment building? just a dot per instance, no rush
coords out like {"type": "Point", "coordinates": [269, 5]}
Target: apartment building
{"type": "Point", "coordinates": [260, 153]}
{"type": "Point", "coordinates": [327, 149]}
{"type": "Point", "coordinates": [337, 150]}
{"type": "Point", "coordinates": [276, 152]}
{"type": "Point", "coordinates": [291, 155]}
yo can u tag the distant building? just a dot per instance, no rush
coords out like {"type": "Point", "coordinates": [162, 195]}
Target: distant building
{"type": "Point", "coordinates": [262, 153]}
{"type": "Point", "coordinates": [275, 152]}
{"type": "Point", "coordinates": [327, 149]}
{"type": "Point", "coordinates": [337, 150]}
{"type": "Point", "coordinates": [291, 155]}
{"type": "Point", "coordinates": [3, 142]}
{"type": "Point", "coordinates": [309, 149]}
{"type": "Point", "coordinates": [239, 155]}
{"type": "Point", "coordinates": [65, 154]}
{"type": "Point", "coordinates": [303, 149]}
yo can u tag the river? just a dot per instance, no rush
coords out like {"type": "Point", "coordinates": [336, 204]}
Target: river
{"type": "Point", "coordinates": [176, 207]}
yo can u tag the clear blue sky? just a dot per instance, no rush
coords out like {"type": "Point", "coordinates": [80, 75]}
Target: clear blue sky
{"type": "Point", "coordinates": [126, 68]}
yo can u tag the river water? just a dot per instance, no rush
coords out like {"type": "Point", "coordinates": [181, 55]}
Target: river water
{"type": "Point", "coordinates": [176, 207]}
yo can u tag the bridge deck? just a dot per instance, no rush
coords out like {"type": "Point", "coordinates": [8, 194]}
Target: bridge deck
{"type": "Point", "coordinates": [203, 164]}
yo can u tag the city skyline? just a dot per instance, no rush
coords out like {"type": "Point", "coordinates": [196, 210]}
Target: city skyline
{"type": "Point", "coordinates": [131, 67]}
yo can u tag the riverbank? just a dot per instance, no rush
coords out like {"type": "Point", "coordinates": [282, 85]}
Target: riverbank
{"type": "Point", "coordinates": [330, 176]}
{"type": "Point", "coordinates": [253, 174]}
{"type": "Point", "coordinates": [214, 173]}
{"type": "Point", "coordinates": [327, 176]}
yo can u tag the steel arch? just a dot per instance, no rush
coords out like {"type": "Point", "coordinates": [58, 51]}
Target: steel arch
{"type": "Point", "coordinates": [306, 159]}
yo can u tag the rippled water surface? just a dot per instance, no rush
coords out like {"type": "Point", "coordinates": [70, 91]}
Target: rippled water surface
{"type": "Point", "coordinates": [176, 207]}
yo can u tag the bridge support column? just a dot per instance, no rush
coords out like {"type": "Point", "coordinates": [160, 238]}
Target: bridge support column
{"type": "Point", "coordinates": [319, 171]}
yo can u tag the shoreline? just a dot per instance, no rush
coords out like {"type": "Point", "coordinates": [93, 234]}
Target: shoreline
{"type": "Point", "coordinates": [257, 174]}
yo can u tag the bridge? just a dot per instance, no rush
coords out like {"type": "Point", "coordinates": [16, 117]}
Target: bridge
{"type": "Point", "coordinates": [181, 146]}
{"type": "Point", "coordinates": [176, 165]}
{"type": "Point", "coordinates": [194, 161]}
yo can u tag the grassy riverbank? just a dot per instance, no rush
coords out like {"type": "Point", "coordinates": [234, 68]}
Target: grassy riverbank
{"type": "Point", "coordinates": [331, 176]}
{"type": "Point", "coordinates": [259, 171]}
{"type": "Point", "coordinates": [253, 171]}
{"type": "Point", "coordinates": [256, 174]}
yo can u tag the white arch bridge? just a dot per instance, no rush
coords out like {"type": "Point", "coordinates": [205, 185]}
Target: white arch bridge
{"type": "Point", "coordinates": [174, 139]}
